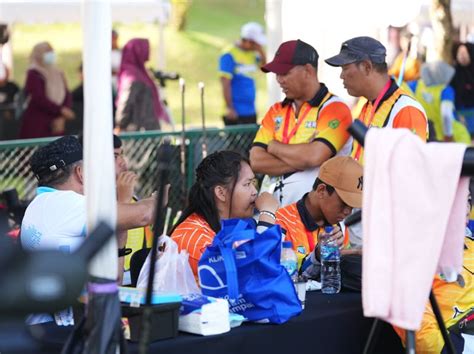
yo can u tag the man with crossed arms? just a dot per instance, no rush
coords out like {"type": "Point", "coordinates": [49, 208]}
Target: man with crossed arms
{"type": "Point", "coordinates": [304, 130]}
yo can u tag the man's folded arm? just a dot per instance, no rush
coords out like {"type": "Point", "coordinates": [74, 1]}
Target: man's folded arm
{"type": "Point", "coordinates": [263, 162]}
{"type": "Point", "coordinates": [302, 156]}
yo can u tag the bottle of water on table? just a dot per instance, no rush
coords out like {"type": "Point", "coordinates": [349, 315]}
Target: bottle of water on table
{"type": "Point", "coordinates": [289, 260]}
{"type": "Point", "coordinates": [330, 264]}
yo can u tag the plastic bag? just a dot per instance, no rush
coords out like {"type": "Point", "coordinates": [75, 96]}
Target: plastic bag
{"type": "Point", "coordinates": [250, 276]}
{"type": "Point", "coordinates": [173, 273]}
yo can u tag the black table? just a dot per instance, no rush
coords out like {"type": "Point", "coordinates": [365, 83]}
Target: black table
{"type": "Point", "coordinates": [330, 324]}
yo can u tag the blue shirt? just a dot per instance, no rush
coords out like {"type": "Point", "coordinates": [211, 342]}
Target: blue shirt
{"type": "Point", "coordinates": [240, 67]}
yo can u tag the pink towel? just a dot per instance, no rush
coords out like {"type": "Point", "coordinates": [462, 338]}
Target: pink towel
{"type": "Point", "coordinates": [414, 207]}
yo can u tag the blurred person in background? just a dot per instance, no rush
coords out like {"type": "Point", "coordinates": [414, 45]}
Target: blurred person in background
{"type": "Point", "coordinates": [463, 83]}
{"type": "Point", "coordinates": [8, 105]}
{"type": "Point", "coordinates": [48, 98]}
{"type": "Point", "coordinates": [138, 102]}
{"type": "Point", "coordinates": [432, 90]}
{"type": "Point", "coordinates": [408, 61]}
{"type": "Point", "coordinates": [76, 126]}
{"type": "Point", "coordinates": [237, 68]}
{"type": "Point", "coordinates": [116, 59]}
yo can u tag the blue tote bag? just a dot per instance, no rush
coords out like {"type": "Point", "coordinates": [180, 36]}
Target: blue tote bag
{"type": "Point", "coordinates": [249, 276]}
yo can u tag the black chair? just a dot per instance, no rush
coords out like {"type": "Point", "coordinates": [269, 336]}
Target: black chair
{"type": "Point", "coordinates": [136, 264]}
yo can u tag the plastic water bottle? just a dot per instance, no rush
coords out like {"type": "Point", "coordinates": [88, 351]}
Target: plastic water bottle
{"type": "Point", "coordinates": [289, 260]}
{"type": "Point", "coordinates": [330, 264]}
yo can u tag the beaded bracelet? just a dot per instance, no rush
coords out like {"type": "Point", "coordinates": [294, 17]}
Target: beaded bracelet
{"type": "Point", "coordinates": [268, 213]}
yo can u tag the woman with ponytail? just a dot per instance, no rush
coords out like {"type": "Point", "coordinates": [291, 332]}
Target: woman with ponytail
{"type": "Point", "coordinates": [224, 188]}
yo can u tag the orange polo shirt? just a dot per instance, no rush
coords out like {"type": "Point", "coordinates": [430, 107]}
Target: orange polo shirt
{"type": "Point", "coordinates": [193, 235]}
{"type": "Point", "coordinates": [301, 229]}
{"type": "Point", "coordinates": [324, 118]}
{"type": "Point", "coordinates": [396, 109]}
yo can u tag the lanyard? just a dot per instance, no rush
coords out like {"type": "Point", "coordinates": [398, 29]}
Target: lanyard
{"type": "Point", "coordinates": [310, 237]}
{"type": "Point", "coordinates": [372, 114]}
{"type": "Point", "coordinates": [287, 137]}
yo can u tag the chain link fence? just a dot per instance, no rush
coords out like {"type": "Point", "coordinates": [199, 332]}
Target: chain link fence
{"type": "Point", "coordinates": [140, 151]}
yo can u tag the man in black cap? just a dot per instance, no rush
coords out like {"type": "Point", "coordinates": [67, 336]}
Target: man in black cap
{"type": "Point", "coordinates": [298, 134]}
{"type": "Point", "coordinates": [365, 74]}
{"type": "Point", "coordinates": [56, 218]}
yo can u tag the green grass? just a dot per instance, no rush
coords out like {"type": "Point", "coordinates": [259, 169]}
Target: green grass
{"type": "Point", "coordinates": [194, 53]}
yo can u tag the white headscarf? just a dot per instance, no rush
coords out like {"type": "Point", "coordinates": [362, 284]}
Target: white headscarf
{"type": "Point", "coordinates": [437, 73]}
{"type": "Point", "coordinates": [55, 85]}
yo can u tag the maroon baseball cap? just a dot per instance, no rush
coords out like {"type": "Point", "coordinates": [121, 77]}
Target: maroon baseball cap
{"type": "Point", "coordinates": [290, 54]}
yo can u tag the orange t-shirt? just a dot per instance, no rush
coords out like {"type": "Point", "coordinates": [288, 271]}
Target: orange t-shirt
{"type": "Point", "coordinates": [193, 235]}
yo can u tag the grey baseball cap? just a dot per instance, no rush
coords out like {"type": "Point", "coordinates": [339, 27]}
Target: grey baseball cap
{"type": "Point", "coordinates": [358, 49]}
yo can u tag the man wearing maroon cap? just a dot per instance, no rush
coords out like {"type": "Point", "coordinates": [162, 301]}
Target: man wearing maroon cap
{"type": "Point", "coordinates": [298, 134]}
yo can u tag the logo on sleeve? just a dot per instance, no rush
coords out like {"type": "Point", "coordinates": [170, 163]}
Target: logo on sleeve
{"type": "Point", "coordinates": [334, 123]}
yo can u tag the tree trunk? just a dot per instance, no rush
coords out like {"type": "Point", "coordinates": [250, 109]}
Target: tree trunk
{"type": "Point", "coordinates": [179, 14]}
{"type": "Point", "coordinates": [442, 22]}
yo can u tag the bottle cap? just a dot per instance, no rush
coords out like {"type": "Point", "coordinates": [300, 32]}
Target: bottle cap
{"type": "Point", "coordinates": [328, 229]}
{"type": "Point", "coordinates": [287, 244]}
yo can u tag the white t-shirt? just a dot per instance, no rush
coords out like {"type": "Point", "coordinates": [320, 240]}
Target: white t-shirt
{"type": "Point", "coordinates": [54, 220]}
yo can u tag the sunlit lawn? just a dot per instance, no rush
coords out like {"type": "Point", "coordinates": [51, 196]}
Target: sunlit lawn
{"type": "Point", "coordinates": [212, 25]}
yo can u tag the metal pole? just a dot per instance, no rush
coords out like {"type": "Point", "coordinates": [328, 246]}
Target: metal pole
{"type": "Point", "coordinates": [410, 342]}
{"type": "Point", "coordinates": [182, 87]}
{"type": "Point", "coordinates": [373, 336]}
{"type": "Point", "coordinates": [203, 121]}
{"type": "Point", "coordinates": [164, 158]}
{"type": "Point", "coordinates": [442, 326]}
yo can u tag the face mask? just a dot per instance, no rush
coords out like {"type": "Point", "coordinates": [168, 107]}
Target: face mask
{"type": "Point", "coordinates": [49, 58]}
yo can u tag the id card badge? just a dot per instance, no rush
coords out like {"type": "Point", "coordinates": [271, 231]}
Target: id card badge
{"type": "Point", "coordinates": [268, 184]}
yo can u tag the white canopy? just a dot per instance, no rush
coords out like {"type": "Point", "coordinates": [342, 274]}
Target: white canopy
{"type": "Point", "coordinates": [50, 11]}
{"type": "Point", "coordinates": [63, 11]}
